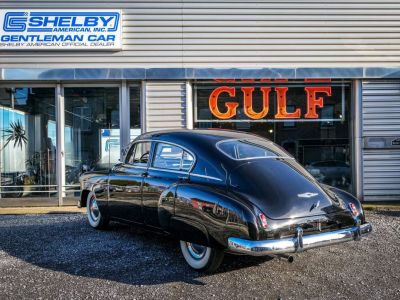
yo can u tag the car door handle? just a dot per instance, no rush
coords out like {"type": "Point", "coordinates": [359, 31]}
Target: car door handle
{"type": "Point", "coordinates": [145, 174]}
{"type": "Point", "coordinates": [183, 178]}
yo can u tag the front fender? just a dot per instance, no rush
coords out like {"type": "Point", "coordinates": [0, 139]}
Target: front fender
{"type": "Point", "coordinates": [213, 212]}
{"type": "Point", "coordinates": [98, 184]}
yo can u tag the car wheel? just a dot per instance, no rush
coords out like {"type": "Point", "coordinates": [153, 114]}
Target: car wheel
{"type": "Point", "coordinates": [201, 258]}
{"type": "Point", "coordinates": [95, 218]}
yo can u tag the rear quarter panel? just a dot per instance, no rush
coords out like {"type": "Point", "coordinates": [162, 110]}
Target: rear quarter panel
{"type": "Point", "coordinates": [207, 215]}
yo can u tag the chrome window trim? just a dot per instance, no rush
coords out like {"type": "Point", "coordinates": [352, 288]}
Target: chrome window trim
{"type": "Point", "coordinates": [183, 151]}
{"type": "Point", "coordinates": [170, 143]}
{"type": "Point", "coordinates": [217, 145]}
{"type": "Point", "coordinates": [185, 173]}
{"type": "Point", "coordinates": [189, 172]}
{"type": "Point", "coordinates": [132, 145]}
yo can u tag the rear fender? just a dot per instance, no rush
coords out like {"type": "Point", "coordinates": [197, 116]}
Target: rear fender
{"type": "Point", "coordinates": [349, 198]}
{"type": "Point", "coordinates": [221, 216]}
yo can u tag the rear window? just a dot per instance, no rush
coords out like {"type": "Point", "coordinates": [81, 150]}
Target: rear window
{"type": "Point", "coordinates": [250, 149]}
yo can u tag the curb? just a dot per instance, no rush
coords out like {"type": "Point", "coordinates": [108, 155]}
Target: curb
{"type": "Point", "coordinates": [76, 210]}
{"type": "Point", "coordinates": [372, 207]}
{"type": "Point", "coordinates": [41, 210]}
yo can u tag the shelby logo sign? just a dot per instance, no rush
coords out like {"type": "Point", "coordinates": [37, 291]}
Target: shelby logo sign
{"type": "Point", "coordinates": [60, 29]}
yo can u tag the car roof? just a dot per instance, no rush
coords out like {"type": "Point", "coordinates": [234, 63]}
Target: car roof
{"type": "Point", "coordinates": [205, 134]}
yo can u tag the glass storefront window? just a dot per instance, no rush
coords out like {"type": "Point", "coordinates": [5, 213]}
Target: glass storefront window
{"type": "Point", "coordinates": [308, 119]}
{"type": "Point", "coordinates": [27, 142]}
{"type": "Point", "coordinates": [91, 133]}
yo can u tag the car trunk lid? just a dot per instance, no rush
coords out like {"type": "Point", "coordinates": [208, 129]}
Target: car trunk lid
{"type": "Point", "coordinates": [282, 189]}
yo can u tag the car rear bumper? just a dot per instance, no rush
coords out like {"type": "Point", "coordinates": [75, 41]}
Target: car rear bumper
{"type": "Point", "coordinates": [298, 243]}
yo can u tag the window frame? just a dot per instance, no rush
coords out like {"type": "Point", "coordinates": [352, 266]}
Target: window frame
{"type": "Point", "coordinates": [184, 149]}
{"type": "Point", "coordinates": [132, 151]}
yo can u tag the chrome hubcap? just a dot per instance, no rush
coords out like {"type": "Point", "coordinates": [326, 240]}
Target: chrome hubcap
{"type": "Point", "coordinates": [196, 251]}
{"type": "Point", "coordinates": [94, 209]}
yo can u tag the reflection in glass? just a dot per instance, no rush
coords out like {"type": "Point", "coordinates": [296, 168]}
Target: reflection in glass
{"type": "Point", "coordinates": [92, 135]}
{"type": "Point", "coordinates": [28, 142]}
{"type": "Point", "coordinates": [322, 146]}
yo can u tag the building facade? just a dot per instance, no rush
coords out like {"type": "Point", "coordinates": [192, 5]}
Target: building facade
{"type": "Point", "coordinates": [80, 79]}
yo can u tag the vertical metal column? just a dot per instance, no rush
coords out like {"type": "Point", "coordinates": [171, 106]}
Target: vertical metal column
{"type": "Point", "coordinates": [60, 123]}
{"type": "Point", "coordinates": [356, 125]}
{"type": "Point", "coordinates": [189, 105]}
{"type": "Point", "coordinates": [143, 109]}
{"type": "Point", "coordinates": [124, 116]}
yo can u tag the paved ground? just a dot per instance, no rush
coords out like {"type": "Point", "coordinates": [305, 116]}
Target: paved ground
{"type": "Point", "coordinates": [60, 257]}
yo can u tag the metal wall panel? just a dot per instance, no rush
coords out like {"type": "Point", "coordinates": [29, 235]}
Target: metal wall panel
{"type": "Point", "coordinates": [165, 105]}
{"type": "Point", "coordinates": [222, 33]}
{"type": "Point", "coordinates": [381, 108]}
{"type": "Point", "coordinates": [381, 126]}
{"type": "Point", "coordinates": [381, 175]}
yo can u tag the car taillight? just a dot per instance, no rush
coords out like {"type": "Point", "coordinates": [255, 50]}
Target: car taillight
{"type": "Point", "coordinates": [354, 209]}
{"type": "Point", "coordinates": [263, 220]}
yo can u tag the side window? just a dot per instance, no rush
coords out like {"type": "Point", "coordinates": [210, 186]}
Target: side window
{"type": "Point", "coordinates": [138, 155]}
{"type": "Point", "coordinates": [172, 157]}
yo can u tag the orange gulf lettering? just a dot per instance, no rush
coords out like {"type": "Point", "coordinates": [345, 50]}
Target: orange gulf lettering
{"type": "Point", "coordinates": [248, 103]}
{"type": "Point", "coordinates": [213, 103]}
{"type": "Point", "coordinates": [313, 101]}
{"type": "Point", "coordinates": [281, 107]}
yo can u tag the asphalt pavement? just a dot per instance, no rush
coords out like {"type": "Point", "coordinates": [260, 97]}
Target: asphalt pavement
{"type": "Point", "coordinates": [59, 256]}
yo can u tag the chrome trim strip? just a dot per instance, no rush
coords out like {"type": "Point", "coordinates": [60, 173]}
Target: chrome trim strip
{"type": "Point", "coordinates": [298, 243]}
{"type": "Point", "coordinates": [206, 176]}
{"type": "Point", "coordinates": [169, 170]}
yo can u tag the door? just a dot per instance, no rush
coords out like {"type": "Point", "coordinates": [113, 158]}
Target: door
{"type": "Point", "coordinates": [170, 165]}
{"type": "Point", "coordinates": [91, 131]}
{"type": "Point", "coordinates": [125, 184]}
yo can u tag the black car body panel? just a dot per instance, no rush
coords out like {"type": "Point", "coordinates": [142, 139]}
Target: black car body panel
{"type": "Point", "coordinates": [219, 197]}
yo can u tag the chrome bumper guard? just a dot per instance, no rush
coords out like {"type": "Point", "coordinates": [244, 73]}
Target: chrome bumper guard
{"type": "Point", "coordinates": [298, 243]}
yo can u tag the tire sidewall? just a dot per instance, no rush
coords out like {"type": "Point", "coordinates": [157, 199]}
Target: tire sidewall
{"type": "Point", "coordinates": [197, 264]}
{"type": "Point", "coordinates": [93, 223]}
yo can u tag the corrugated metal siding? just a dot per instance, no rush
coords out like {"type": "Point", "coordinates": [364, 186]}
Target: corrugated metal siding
{"type": "Point", "coordinates": [381, 175]}
{"type": "Point", "coordinates": [165, 105]}
{"type": "Point", "coordinates": [381, 108]}
{"type": "Point", "coordinates": [230, 33]}
{"type": "Point", "coordinates": [381, 117]}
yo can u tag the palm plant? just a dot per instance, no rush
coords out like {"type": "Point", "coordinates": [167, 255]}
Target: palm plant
{"type": "Point", "coordinates": [16, 133]}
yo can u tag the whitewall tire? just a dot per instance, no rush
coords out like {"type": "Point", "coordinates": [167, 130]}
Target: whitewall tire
{"type": "Point", "coordinates": [95, 218]}
{"type": "Point", "coordinates": [201, 258]}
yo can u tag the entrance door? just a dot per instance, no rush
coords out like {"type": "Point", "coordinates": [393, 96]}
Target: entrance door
{"type": "Point", "coordinates": [91, 132]}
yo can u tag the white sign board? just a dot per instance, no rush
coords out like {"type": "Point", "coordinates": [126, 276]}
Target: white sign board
{"type": "Point", "coordinates": [43, 29]}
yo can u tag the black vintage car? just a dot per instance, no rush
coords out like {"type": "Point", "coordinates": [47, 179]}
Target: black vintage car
{"type": "Point", "coordinates": [220, 191]}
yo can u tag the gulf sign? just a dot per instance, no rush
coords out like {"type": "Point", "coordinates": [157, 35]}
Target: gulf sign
{"type": "Point", "coordinates": [60, 29]}
{"type": "Point", "coordinates": [273, 100]}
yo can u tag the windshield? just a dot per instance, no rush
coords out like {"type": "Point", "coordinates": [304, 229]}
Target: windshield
{"type": "Point", "coordinates": [250, 149]}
